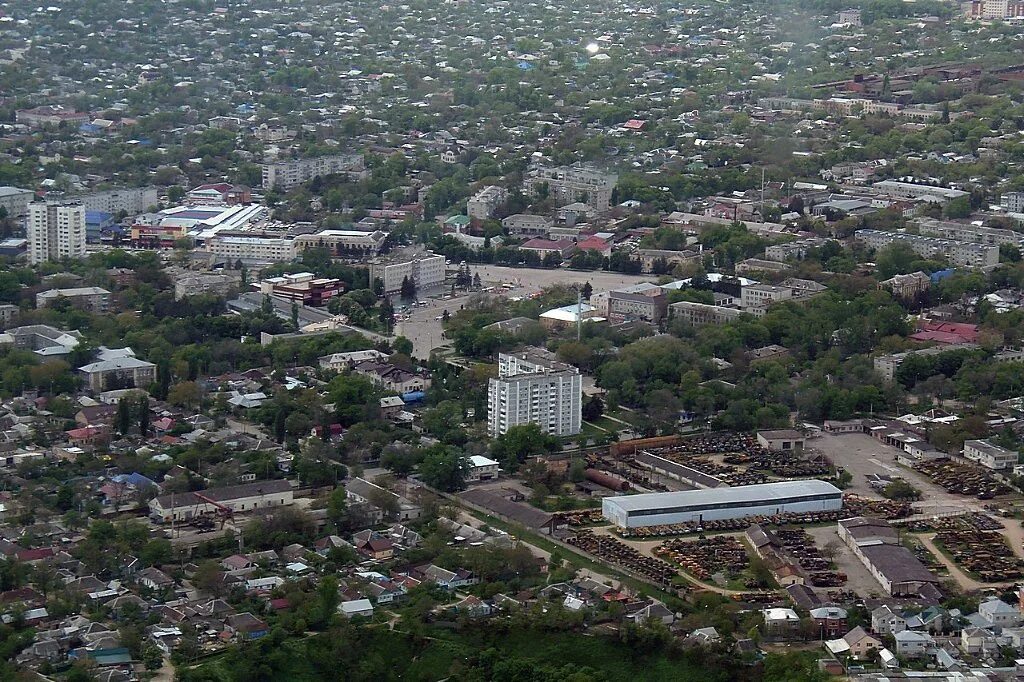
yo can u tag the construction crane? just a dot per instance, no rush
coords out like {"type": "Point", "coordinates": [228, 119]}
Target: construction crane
{"type": "Point", "coordinates": [223, 512]}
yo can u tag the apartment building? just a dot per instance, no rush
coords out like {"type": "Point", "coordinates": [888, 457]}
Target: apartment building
{"type": "Point", "coordinates": [284, 175]}
{"type": "Point", "coordinates": [888, 365]}
{"type": "Point", "coordinates": [1013, 202]}
{"type": "Point", "coordinates": [946, 229]}
{"type": "Point", "coordinates": [55, 231]}
{"type": "Point", "coordinates": [42, 339]}
{"type": "Point", "coordinates": [629, 307]}
{"type": "Point", "coordinates": [524, 225]}
{"type": "Point", "coordinates": [15, 200]}
{"type": "Point", "coordinates": [571, 184]}
{"type": "Point", "coordinates": [262, 249]}
{"type": "Point", "coordinates": [702, 314]}
{"type": "Point", "coordinates": [214, 283]}
{"type": "Point", "coordinates": [533, 387]}
{"type": "Point", "coordinates": [482, 205]}
{"type": "Point", "coordinates": [118, 368]}
{"type": "Point", "coordinates": [343, 243]}
{"type": "Point", "coordinates": [965, 254]}
{"type": "Point", "coordinates": [93, 299]}
{"type": "Point", "coordinates": [425, 270]}
{"type": "Point", "coordinates": [130, 200]}
{"type": "Point", "coordinates": [796, 250]}
{"type": "Point", "coordinates": [756, 298]}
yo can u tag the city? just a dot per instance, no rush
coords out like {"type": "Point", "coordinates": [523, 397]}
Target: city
{"type": "Point", "coordinates": [476, 341]}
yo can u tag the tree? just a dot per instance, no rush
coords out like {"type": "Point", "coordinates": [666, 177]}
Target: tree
{"type": "Point", "coordinates": [958, 208]}
{"type": "Point", "coordinates": [593, 408]}
{"type": "Point", "coordinates": [143, 414]}
{"type": "Point", "coordinates": [402, 345]}
{"type": "Point", "coordinates": [208, 577]}
{"type": "Point", "coordinates": [444, 468]}
{"type": "Point", "coordinates": [295, 315]}
{"type": "Point", "coordinates": [519, 442]}
{"type": "Point", "coordinates": [387, 316]}
{"type": "Point", "coordinates": [408, 290]}
{"type": "Point", "coordinates": [587, 291]}
{"type": "Point", "coordinates": [124, 416]}
{"type": "Point", "coordinates": [184, 394]}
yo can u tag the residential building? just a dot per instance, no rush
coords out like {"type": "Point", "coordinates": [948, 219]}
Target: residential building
{"type": "Point", "coordinates": [343, 361]}
{"type": "Point", "coordinates": [702, 314]}
{"type": "Point", "coordinates": [49, 115]}
{"type": "Point", "coordinates": [850, 17]}
{"type": "Point", "coordinates": [238, 498]}
{"type": "Point", "coordinates": [118, 368]}
{"type": "Point", "coordinates": [571, 184]}
{"type": "Point", "coordinates": [885, 621]}
{"type": "Point", "coordinates": [966, 232]}
{"type": "Point", "coordinates": [829, 621]}
{"type": "Point", "coordinates": [93, 299]}
{"type": "Point", "coordinates": [284, 175]}
{"type": "Point", "coordinates": [990, 455]}
{"type": "Point", "coordinates": [482, 469]}
{"type": "Point", "coordinates": [795, 250]}
{"type": "Point", "coordinates": [756, 298]}
{"type": "Point", "coordinates": [484, 203]}
{"type": "Point", "coordinates": [128, 200]}
{"type": "Point", "coordinates": [303, 288]}
{"type": "Point", "coordinates": [15, 200]}
{"type": "Point", "coordinates": [998, 613]}
{"type": "Point", "coordinates": [533, 387]}
{"type": "Point", "coordinates": [525, 225]}
{"type": "Point", "coordinates": [1013, 202]}
{"type": "Point", "coordinates": [214, 283]}
{"type": "Point", "coordinates": [663, 260]}
{"type": "Point", "coordinates": [55, 231]}
{"type": "Point", "coordinates": [8, 314]}
{"type": "Point", "coordinates": [888, 365]}
{"type": "Point", "coordinates": [857, 643]}
{"type": "Point", "coordinates": [911, 644]}
{"type": "Point", "coordinates": [219, 192]}
{"type": "Point", "coordinates": [42, 339]}
{"type": "Point", "coordinates": [342, 243]}
{"type": "Point", "coordinates": [424, 269]}
{"type": "Point", "coordinates": [770, 353]}
{"type": "Point", "coordinates": [907, 286]}
{"type": "Point", "coordinates": [392, 378]}
{"type": "Point", "coordinates": [230, 247]}
{"type": "Point", "coordinates": [378, 499]}
{"type": "Point", "coordinates": [965, 254]}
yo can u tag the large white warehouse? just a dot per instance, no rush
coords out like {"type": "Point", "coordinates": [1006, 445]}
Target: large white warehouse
{"type": "Point", "coordinates": [655, 509]}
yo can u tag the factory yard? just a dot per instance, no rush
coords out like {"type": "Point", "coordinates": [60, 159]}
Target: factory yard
{"type": "Point", "coordinates": [862, 455]}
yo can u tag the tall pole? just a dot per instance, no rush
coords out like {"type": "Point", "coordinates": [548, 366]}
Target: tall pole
{"type": "Point", "coordinates": [579, 313]}
{"type": "Point", "coordinates": [762, 193]}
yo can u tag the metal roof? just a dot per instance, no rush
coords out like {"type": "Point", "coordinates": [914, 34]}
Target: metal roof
{"type": "Point", "coordinates": [746, 493]}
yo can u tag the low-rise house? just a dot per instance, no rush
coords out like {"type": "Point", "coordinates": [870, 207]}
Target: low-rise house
{"type": "Point", "coordinates": [977, 641]}
{"type": "Point", "coordinates": [154, 578]}
{"type": "Point", "coordinates": [913, 644]}
{"type": "Point", "coordinates": [445, 579]}
{"type": "Point", "coordinates": [998, 613]}
{"type": "Point", "coordinates": [780, 620]}
{"type": "Point", "coordinates": [361, 608]}
{"type": "Point", "coordinates": [246, 626]}
{"type": "Point", "coordinates": [858, 643]}
{"type": "Point", "coordinates": [373, 545]}
{"type": "Point", "coordinates": [885, 621]}
{"type": "Point", "coordinates": [829, 621]}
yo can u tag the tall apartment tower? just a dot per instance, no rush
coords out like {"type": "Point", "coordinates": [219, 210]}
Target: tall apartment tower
{"type": "Point", "coordinates": [534, 388]}
{"type": "Point", "coordinates": [55, 231]}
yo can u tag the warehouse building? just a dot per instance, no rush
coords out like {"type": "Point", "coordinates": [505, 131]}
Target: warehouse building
{"type": "Point", "coordinates": [655, 509]}
{"type": "Point", "coordinates": [239, 498]}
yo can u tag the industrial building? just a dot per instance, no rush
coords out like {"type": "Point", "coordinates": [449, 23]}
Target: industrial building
{"type": "Point", "coordinates": [877, 545]}
{"type": "Point", "coordinates": [656, 509]}
{"type": "Point", "coordinates": [990, 455]}
{"type": "Point", "coordinates": [239, 498]}
{"type": "Point", "coordinates": [533, 387]}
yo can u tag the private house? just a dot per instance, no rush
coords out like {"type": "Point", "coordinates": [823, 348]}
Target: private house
{"type": "Point", "coordinates": [858, 643]}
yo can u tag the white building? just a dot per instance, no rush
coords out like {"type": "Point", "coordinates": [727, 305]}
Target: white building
{"type": "Point", "coordinates": [967, 254]}
{"type": "Point", "coordinates": [989, 455]}
{"type": "Point", "coordinates": [655, 509]}
{"type": "Point", "coordinates": [910, 190]}
{"type": "Point", "coordinates": [238, 498]}
{"type": "Point", "coordinates": [55, 231]}
{"type": "Point", "coordinates": [482, 469]}
{"type": "Point", "coordinates": [572, 184]}
{"type": "Point", "coordinates": [483, 204]}
{"type": "Point", "coordinates": [756, 298]}
{"type": "Point", "coordinates": [288, 174]}
{"type": "Point", "coordinates": [426, 270]}
{"type": "Point", "coordinates": [15, 200]}
{"type": "Point", "coordinates": [534, 388]}
{"type": "Point", "coordinates": [1012, 202]}
{"type": "Point", "coordinates": [130, 200]}
{"type": "Point", "coordinates": [251, 249]}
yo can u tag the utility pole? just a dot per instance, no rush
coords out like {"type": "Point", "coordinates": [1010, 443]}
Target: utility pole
{"type": "Point", "coordinates": [762, 193]}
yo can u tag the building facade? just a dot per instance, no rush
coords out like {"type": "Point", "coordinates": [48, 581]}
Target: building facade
{"type": "Point", "coordinates": [232, 247]}
{"type": "Point", "coordinates": [572, 184]}
{"type": "Point", "coordinates": [287, 174]}
{"type": "Point", "coordinates": [15, 200]}
{"type": "Point", "coordinates": [990, 455]}
{"type": "Point", "coordinates": [93, 299]}
{"type": "Point", "coordinates": [966, 254]}
{"type": "Point", "coordinates": [702, 314]}
{"type": "Point", "coordinates": [482, 205]}
{"type": "Point", "coordinates": [55, 231]}
{"type": "Point", "coordinates": [342, 243]}
{"type": "Point", "coordinates": [534, 388]}
{"type": "Point", "coordinates": [425, 270]}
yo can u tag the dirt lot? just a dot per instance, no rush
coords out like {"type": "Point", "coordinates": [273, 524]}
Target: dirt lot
{"type": "Point", "coordinates": [860, 454]}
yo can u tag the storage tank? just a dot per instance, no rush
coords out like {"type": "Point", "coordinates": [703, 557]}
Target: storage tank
{"type": "Point", "coordinates": [607, 480]}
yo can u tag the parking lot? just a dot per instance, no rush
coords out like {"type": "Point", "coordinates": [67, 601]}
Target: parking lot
{"type": "Point", "coordinates": [860, 454]}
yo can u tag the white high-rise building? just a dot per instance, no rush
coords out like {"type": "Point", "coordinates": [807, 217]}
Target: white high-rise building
{"type": "Point", "coordinates": [55, 231]}
{"type": "Point", "coordinates": [534, 388]}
